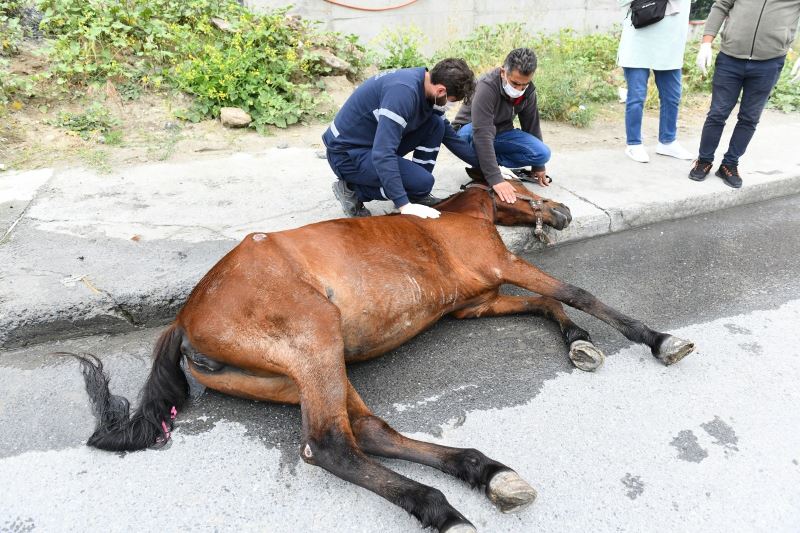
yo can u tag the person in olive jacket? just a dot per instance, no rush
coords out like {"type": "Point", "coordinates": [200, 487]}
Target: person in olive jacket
{"type": "Point", "coordinates": [755, 40]}
{"type": "Point", "coordinates": [487, 123]}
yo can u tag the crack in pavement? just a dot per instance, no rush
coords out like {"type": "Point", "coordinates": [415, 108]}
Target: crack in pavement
{"type": "Point", "coordinates": [27, 207]}
{"type": "Point", "coordinates": [148, 224]}
{"type": "Point", "coordinates": [602, 210]}
{"type": "Point", "coordinates": [316, 206]}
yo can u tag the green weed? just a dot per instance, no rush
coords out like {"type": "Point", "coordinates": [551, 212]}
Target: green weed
{"type": "Point", "coordinates": [401, 48]}
{"type": "Point", "coordinates": [162, 146]}
{"type": "Point", "coordinates": [487, 46]}
{"type": "Point", "coordinates": [11, 35]}
{"type": "Point", "coordinates": [96, 159]}
{"type": "Point", "coordinates": [786, 95]}
{"type": "Point", "coordinates": [258, 69]}
{"type": "Point", "coordinates": [10, 29]}
{"type": "Point", "coordinates": [96, 122]}
{"type": "Point", "coordinates": [264, 63]}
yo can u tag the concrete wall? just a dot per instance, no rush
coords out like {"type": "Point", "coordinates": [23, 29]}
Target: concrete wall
{"type": "Point", "coordinates": [444, 20]}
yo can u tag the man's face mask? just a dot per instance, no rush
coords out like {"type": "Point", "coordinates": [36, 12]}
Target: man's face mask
{"type": "Point", "coordinates": [510, 90]}
{"type": "Point", "coordinates": [443, 104]}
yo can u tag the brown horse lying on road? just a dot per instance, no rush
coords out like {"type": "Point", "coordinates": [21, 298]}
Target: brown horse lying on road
{"type": "Point", "coordinates": [279, 317]}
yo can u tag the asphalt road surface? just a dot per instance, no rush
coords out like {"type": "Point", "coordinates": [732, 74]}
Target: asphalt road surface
{"type": "Point", "coordinates": [709, 444]}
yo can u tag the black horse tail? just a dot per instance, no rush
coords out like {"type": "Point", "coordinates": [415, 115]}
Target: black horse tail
{"type": "Point", "coordinates": [165, 391]}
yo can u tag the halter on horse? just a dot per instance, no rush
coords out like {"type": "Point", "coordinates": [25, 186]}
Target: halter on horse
{"type": "Point", "coordinates": [536, 206]}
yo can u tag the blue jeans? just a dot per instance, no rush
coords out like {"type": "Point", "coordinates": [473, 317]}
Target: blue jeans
{"type": "Point", "coordinates": [514, 148]}
{"type": "Point", "coordinates": [669, 96]}
{"type": "Point", "coordinates": [358, 170]}
{"type": "Point", "coordinates": [755, 81]}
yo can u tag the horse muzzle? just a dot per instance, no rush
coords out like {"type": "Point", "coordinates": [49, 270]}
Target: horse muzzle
{"type": "Point", "coordinates": [560, 216]}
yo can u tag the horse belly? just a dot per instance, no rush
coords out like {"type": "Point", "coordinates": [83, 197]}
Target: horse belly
{"type": "Point", "coordinates": [230, 380]}
{"type": "Point", "coordinates": [372, 327]}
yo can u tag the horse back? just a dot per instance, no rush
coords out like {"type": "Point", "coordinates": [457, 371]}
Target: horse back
{"type": "Point", "coordinates": [388, 277]}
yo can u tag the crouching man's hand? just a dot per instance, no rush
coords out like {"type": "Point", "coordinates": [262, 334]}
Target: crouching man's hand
{"type": "Point", "coordinates": [505, 191]}
{"type": "Point", "coordinates": [541, 176]}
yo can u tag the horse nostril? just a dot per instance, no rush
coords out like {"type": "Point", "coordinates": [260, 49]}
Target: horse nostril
{"type": "Point", "coordinates": [564, 210]}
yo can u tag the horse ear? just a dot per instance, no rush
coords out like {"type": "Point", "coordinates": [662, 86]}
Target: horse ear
{"type": "Point", "coordinates": [475, 173]}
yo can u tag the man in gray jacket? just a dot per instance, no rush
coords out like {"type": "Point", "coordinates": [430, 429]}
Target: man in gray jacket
{"type": "Point", "coordinates": [755, 40]}
{"type": "Point", "coordinates": [487, 123]}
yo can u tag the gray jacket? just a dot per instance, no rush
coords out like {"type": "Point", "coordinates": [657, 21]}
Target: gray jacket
{"type": "Point", "coordinates": [491, 112]}
{"type": "Point", "coordinates": [755, 29]}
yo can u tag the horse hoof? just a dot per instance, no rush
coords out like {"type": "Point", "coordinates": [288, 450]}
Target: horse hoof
{"type": "Point", "coordinates": [460, 528]}
{"type": "Point", "coordinates": [673, 349]}
{"type": "Point", "coordinates": [586, 356]}
{"type": "Point", "coordinates": [509, 492]}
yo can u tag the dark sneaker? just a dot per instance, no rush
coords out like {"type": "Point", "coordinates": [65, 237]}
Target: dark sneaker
{"type": "Point", "coordinates": [522, 173]}
{"type": "Point", "coordinates": [352, 206]}
{"type": "Point", "coordinates": [730, 175]}
{"type": "Point", "coordinates": [429, 200]}
{"type": "Point", "coordinates": [700, 170]}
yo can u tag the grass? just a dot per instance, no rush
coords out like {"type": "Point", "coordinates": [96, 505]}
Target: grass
{"type": "Point", "coordinates": [96, 159]}
{"type": "Point", "coordinates": [160, 148]}
{"type": "Point", "coordinates": [576, 79]}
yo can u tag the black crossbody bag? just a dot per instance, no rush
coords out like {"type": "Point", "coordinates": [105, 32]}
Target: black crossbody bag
{"type": "Point", "coordinates": [647, 12]}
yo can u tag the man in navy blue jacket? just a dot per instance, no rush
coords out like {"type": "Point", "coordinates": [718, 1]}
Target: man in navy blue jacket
{"type": "Point", "coordinates": [388, 116]}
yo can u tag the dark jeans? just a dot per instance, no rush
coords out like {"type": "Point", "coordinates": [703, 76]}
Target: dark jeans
{"type": "Point", "coordinates": [732, 76]}
{"type": "Point", "coordinates": [358, 170]}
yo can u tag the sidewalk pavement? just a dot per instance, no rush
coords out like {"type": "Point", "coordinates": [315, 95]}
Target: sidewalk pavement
{"type": "Point", "coordinates": [85, 253]}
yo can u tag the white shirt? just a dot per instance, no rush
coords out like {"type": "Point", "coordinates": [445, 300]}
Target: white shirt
{"type": "Point", "coordinates": [659, 46]}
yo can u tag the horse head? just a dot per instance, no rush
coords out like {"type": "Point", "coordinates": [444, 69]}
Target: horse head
{"type": "Point", "coordinates": [478, 199]}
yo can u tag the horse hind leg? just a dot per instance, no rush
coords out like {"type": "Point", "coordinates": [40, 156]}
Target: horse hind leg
{"type": "Point", "coordinates": [504, 487]}
{"type": "Point", "coordinates": [316, 379]}
{"type": "Point", "coordinates": [310, 351]}
{"type": "Point", "coordinates": [667, 348]}
{"type": "Point", "coordinates": [583, 354]}
{"type": "Point", "coordinates": [329, 443]}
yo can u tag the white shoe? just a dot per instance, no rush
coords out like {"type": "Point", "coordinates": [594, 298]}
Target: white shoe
{"type": "Point", "coordinates": [675, 150]}
{"type": "Point", "coordinates": [637, 153]}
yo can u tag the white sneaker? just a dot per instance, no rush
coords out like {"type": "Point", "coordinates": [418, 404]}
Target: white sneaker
{"type": "Point", "coordinates": [637, 153]}
{"type": "Point", "coordinates": [675, 150]}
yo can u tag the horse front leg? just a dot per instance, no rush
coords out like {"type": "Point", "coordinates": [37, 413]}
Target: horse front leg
{"type": "Point", "coordinates": [504, 487]}
{"type": "Point", "coordinates": [667, 348]}
{"type": "Point", "coordinates": [583, 354]}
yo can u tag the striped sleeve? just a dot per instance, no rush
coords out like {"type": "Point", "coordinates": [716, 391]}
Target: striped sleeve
{"type": "Point", "coordinates": [397, 106]}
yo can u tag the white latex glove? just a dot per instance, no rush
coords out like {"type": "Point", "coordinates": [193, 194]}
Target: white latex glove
{"type": "Point", "coordinates": [507, 173]}
{"type": "Point", "coordinates": [704, 57]}
{"type": "Point", "coordinates": [795, 74]}
{"type": "Point", "coordinates": [419, 210]}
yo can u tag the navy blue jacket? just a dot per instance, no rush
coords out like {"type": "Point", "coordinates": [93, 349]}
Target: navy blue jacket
{"type": "Point", "coordinates": [379, 113]}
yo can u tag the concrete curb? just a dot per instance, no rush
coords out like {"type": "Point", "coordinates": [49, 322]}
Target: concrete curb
{"type": "Point", "coordinates": [637, 215]}
{"type": "Point", "coordinates": [104, 313]}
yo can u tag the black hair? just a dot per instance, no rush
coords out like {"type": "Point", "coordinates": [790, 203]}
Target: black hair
{"type": "Point", "coordinates": [523, 60]}
{"type": "Point", "coordinates": [456, 76]}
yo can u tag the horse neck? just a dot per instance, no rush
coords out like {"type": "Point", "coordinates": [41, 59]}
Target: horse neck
{"type": "Point", "coordinates": [473, 202]}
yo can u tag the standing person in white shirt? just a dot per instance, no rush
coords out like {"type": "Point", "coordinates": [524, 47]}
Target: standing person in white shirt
{"type": "Point", "coordinates": [658, 47]}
